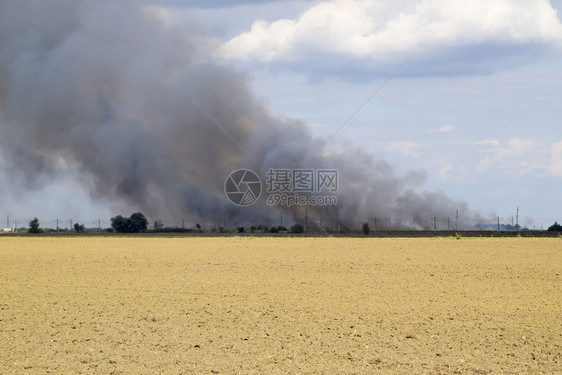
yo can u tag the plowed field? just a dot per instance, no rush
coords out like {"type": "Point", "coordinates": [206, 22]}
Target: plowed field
{"type": "Point", "coordinates": [280, 306]}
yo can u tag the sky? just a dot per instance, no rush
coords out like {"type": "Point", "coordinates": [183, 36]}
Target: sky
{"type": "Point", "coordinates": [468, 93]}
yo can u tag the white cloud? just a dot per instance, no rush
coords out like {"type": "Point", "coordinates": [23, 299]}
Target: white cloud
{"type": "Point", "coordinates": [524, 157]}
{"type": "Point", "coordinates": [407, 148]}
{"type": "Point", "coordinates": [517, 148]}
{"type": "Point", "coordinates": [446, 129]}
{"type": "Point", "coordinates": [378, 30]}
{"type": "Point", "coordinates": [555, 160]}
{"type": "Point", "coordinates": [488, 142]}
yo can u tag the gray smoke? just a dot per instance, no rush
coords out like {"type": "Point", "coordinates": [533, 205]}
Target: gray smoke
{"type": "Point", "coordinates": [135, 106]}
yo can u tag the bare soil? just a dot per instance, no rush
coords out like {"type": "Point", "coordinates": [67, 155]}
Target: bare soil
{"type": "Point", "coordinates": [280, 306]}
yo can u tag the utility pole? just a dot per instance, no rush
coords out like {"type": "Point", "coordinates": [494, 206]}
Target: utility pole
{"type": "Point", "coordinates": [305, 219]}
{"type": "Point", "coordinates": [183, 223]}
{"type": "Point", "coordinates": [389, 224]}
{"type": "Point", "coordinates": [517, 218]}
{"type": "Point", "coordinates": [375, 224]}
{"type": "Point", "coordinates": [448, 223]}
{"type": "Point", "coordinates": [57, 224]}
{"type": "Point", "coordinates": [281, 218]}
{"type": "Point", "coordinates": [498, 223]}
{"type": "Point", "coordinates": [8, 221]}
{"type": "Point", "coordinates": [434, 223]}
{"type": "Point", "coordinates": [99, 225]}
{"type": "Point", "coordinates": [321, 223]}
{"type": "Point", "coordinates": [457, 221]}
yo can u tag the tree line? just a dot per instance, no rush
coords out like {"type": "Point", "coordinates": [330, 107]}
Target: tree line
{"type": "Point", "coordinates": [137, 223]}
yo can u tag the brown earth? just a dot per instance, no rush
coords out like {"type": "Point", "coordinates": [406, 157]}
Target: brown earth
{"type": "Point", "coordinates": [280, 306]}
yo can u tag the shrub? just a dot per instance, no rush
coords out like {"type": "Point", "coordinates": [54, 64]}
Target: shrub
{"type": "Point", "coordinates": [297, 228]}
{"type": "Point", "coordinates": [366, 229]}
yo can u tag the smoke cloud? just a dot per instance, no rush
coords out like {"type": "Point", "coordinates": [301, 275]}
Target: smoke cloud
{"type": "Point", "coordinates": [139, 110]}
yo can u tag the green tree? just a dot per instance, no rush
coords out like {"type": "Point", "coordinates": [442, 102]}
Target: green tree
{"type": "Point", "coordinates": [78, 227]}
{"type": "Point", "coordinates": [555, 227]}
{"type": "Point", "coordinates": [137, 223]}
{"type": "Point", "coordinates": [366, 229]}
{"type": "Point", "coordinates": [120, 224]}
{"type": "Point", "coordinates": [297, 228]}
{"type": "Point", "coordinates": [34, 226]}
{"type": "Point", "coordinates": [134, 224]}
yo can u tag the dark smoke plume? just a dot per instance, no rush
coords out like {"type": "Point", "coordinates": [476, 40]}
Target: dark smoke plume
{"type": "Point", "coordinates": [135, 107]}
